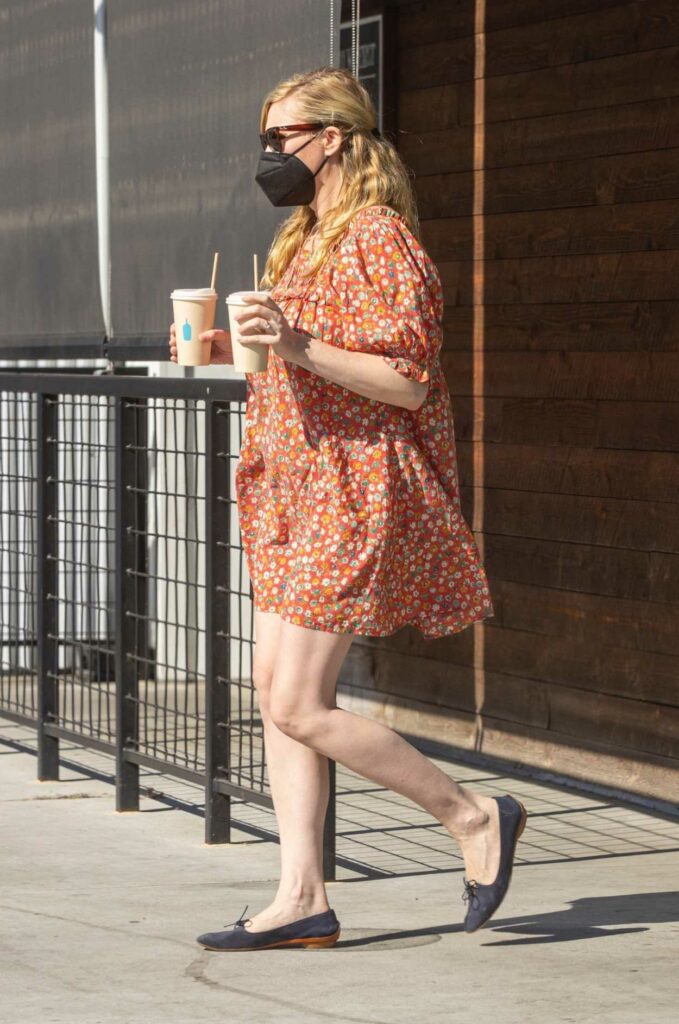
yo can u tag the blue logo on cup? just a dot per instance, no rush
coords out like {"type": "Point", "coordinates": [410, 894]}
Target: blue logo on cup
{"type": "Point", "coordinates": [186, 331]}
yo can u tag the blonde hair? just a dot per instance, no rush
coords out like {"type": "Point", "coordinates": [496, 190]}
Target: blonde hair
{"type": "Point", "coordinates": [371, 169]}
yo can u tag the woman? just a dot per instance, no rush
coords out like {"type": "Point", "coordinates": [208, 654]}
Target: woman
{"type": "Point", "coordinates": [347, 492]}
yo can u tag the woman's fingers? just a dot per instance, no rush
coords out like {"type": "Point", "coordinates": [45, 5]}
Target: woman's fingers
{"type": "Point", "coordinates": [258, 325]}
{"type": "Point", "coordinates": [256, 309]}
{"type": "Point", "coordinates": [221, 351]}
{"type": "Point", "coordinates": [214, 335]}
{"type": "Point", "coordinates": [258, 304]}
{"type": "Point", "coordinates": [259, 319]}
{"type": "Point", "coordinates": [221, 344]}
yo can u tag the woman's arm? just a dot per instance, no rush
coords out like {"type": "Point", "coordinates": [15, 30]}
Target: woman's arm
{"type": "Point", "coordinates": [363, 372]}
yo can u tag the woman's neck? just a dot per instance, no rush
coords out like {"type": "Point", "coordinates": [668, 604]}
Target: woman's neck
{"type": "Point", "coordinates": [329, 188]}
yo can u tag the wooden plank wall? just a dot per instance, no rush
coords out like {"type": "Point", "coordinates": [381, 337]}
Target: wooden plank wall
{"type": "Point", "coordinates": [579, 186]}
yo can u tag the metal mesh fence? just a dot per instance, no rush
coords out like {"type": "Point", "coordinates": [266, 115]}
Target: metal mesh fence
{"type": "Point", "coordinates": [126, 615]}
{"type": "Point", "coordinates": [83, 561]}
{"type": "Point", "coordinates": [18, 556]}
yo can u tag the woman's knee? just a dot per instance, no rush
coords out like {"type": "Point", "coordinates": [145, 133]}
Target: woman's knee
{"type": "Point", "coordinates": [262, 676]}
{"type": "Point", "coordinates": [292, 716]}
{"type": "Point", "coordinates": [283, 714]}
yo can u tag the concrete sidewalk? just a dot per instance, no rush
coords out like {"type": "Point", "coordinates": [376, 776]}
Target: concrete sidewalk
{"type": "Point", "coordinates": [100, 910]}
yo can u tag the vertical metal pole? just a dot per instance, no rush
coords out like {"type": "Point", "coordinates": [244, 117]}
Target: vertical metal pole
{"type": "Point", "coordinates": [127, 719]}
{"type": "Point", "coordinates": [217, 626]}
{"type": "Point", "coordinates": [329, 828]}
{"type": "Point", "coordinates": [47, 612]}
{"type": "Point", "coordinates": [101, 131]}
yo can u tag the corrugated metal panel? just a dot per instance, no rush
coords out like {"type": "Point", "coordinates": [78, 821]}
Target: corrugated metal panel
{"type": "Point", "coordinates": [48, 229]}
{"type": "Point", "coordinates": [186, 84]}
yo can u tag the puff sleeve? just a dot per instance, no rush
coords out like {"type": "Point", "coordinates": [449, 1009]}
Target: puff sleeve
{"type": "Point", "coordinates": [389, 296]}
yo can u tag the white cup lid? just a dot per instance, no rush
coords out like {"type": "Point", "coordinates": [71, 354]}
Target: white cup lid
{"type": "Point", "coordinates": [194, 293]}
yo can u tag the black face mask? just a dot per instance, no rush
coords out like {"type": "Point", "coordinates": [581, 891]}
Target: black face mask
{"type": "Point", "coordinates": [285, 179]}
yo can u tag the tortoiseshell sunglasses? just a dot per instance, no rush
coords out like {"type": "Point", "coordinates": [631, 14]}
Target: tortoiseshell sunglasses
{"type": "Point", "coordinates": [272, 137]}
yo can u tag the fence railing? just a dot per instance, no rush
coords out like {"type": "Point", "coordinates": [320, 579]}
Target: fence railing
{"type": "Point", "coordinates": [126, 617]}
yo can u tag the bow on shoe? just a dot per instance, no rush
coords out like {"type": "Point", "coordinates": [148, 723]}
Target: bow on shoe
{"type": "Point", "coordinates": [240, 923]}
{"type": "Point", "coordinates": [470, 891]}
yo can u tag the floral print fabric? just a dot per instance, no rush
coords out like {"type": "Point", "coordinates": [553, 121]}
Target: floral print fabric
{"type": "Point", "coordinates": [348, 507]}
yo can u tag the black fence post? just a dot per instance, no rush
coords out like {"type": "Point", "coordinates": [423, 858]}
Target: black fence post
{"type": "Point", "coordinates": [47, 611]}
{"type": "Point", "coordinates": [126, 584]}
{"type": "Point", "coordinates": [329, 828]}
{"type": "Point", "coordinates": [217, 625]}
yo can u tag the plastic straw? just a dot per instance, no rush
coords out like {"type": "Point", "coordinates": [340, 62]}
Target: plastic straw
{"type": "Point", "coordinates": [214, 270]}
{"type": "Point", "coordinates": [254, 260]}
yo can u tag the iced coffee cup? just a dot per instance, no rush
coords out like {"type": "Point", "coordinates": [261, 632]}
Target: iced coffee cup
{"type": "Point", "coordinates": [194, 312]}
{"type": "Point", "coordinates": [247, 358]}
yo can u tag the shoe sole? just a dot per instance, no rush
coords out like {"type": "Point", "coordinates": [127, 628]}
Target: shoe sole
{"type": "Point", "coordinates": [321, 942]}
{"type": "Point", "coordinates": [522, 825]}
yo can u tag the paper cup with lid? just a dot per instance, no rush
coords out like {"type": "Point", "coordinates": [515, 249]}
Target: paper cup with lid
{"type": "Point", "coordinates": [247, 358]}
{"type": "Point", "coordinates": [194, 312]}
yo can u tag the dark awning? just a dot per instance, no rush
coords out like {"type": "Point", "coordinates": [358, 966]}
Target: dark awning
{"type": "Point", "coordinates": [186, 82]}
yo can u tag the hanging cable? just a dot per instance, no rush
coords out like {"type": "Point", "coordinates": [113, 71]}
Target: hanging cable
{"type": "Point", "coordinates": [355, 35]}
{"type": "Point", "coordinates": [332, 33]}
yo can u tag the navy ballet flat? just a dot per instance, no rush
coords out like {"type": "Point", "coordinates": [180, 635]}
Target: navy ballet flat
{"type": "Point", "coordinates": [483, 899]}
{"type": "Point", "coordinates": [315, 932]}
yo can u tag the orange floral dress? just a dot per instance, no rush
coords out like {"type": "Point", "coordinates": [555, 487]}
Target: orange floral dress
{"type": "Point", "coordinates": [348, 507]}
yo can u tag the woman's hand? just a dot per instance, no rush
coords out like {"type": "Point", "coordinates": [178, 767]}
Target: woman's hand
{"type": "Point", "coordinates": [221, 351]}
{"type": "Point", "coordinates": [262, 322]}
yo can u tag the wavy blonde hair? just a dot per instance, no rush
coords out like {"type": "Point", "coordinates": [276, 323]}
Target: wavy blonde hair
{"type": "Point", "coordinates": [371, 169]}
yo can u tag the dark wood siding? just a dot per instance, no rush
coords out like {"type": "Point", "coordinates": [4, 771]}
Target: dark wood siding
{"type": "Point", "coordinates": [577, 222]}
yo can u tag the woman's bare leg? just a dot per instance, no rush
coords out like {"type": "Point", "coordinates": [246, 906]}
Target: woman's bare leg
{"type": "Point", "coordinates": [302, 706]}
{"type": "Point", "coordinates": [299, 667]}
{"type": "Point", "coordinates": [298, 778]}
